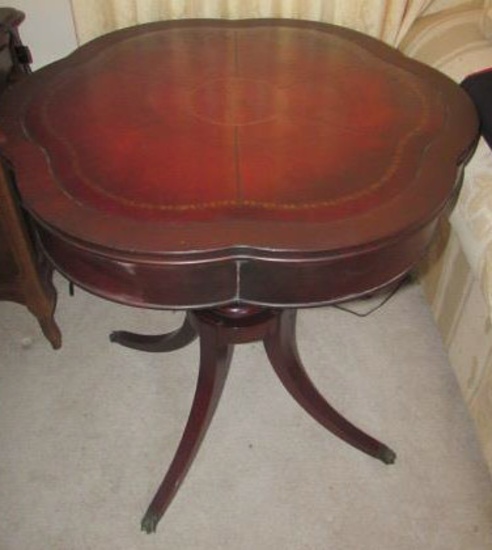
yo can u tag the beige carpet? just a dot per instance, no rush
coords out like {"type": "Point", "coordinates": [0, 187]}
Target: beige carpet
{"type": "Point", "coordinates": [87, 432]}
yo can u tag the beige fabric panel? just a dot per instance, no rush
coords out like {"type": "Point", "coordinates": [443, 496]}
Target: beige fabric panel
{"type": "Point", "coordinates": [442, 5]}
{"type": "Point", "coordinates": [451, 41]}
{"type": "Point", "coordinates": [454, 43]}
{"type": "Point", "coordinates": [386, 19]}
{"type": "Point", "coordinates": [463, 318]}
{"type": "Point", "coordinates": [95, 17]}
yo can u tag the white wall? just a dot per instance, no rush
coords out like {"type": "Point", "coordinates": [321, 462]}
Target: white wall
{"type": "Point", "coordinates": [48, 29]}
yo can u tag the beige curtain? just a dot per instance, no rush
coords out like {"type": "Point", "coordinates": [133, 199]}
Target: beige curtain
{"type": "Point", "coordinates": [385, 19]}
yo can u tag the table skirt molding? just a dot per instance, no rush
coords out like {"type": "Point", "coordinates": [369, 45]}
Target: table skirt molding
{"type": "Point", "coordinates": [267, 282]}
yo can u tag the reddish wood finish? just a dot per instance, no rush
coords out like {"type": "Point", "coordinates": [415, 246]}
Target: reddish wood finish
{"type": "Point", "coordinates": [237, 169]}
{"type": "Point", "coordinates": [25, 275]}
{"type": "Point", "coordinates": [215, 359]}
{"type": "Point", "coordinates": [219, 330]}
{"type": "Point", "coordinates": [281, 347]}
{"type": "Point", "coordinates": [245, 153]}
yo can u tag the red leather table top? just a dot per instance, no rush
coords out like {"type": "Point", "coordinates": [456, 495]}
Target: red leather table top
{"type": "Point", "coordinates": [222, 141]}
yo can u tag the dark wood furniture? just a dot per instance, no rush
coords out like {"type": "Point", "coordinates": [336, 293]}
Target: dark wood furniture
{"type": "Point", "coordinates": [237, 170]}
{"type": "Point", "coordinates": [25, 276]}
{"type": "Point", "coordinates": [15, 57]}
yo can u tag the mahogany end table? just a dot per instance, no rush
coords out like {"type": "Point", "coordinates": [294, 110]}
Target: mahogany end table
{"type": "Point", "coordinates": [237, 170]}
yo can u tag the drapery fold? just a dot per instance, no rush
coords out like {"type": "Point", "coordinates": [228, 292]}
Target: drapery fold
{"type": "Point", "coordinates": [388, 20]}
{"type": "Point", "coordinates": [385, 19]}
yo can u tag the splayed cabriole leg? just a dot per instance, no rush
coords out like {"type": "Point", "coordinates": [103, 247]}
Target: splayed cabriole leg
{"type": "Point", "coordinates": [171, 341]}
{"type": "Point", "coordinates": [215, 358]}
{"type": "Point", "coordinates": [219, 330]}
{"type": "Point", "coordinates": [281, 347]}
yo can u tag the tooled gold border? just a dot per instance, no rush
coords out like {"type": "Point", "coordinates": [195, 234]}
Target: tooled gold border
{"type": "Point", "coordinates": [368, 190]}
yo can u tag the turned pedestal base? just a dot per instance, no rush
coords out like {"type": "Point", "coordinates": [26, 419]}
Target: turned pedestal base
{"type": "Point", "coordinates": [219, 330]}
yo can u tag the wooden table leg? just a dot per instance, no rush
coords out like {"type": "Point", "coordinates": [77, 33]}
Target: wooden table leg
{"type": "Point", "coordinates": [281, 348]}
{"type": "Point", "coordinates": [219, 330]}
{"type": "Point", "coordinates": [171, 341]}
{"type": "Point", "coordinates": [215, 358]}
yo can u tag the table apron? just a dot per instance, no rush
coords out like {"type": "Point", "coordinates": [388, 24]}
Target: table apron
{"type": "Point", "coordinates": [229, 280]}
